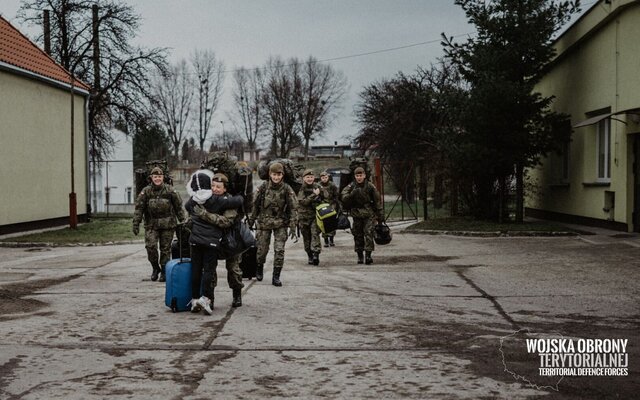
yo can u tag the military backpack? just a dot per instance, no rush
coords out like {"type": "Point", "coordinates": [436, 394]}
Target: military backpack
{"type": "Point", "coordinates": [143, 175]}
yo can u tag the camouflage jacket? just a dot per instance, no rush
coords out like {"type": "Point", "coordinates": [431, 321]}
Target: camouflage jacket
{"type": "Point", "coordinates": [159, 206]}
{"type": "Point", "coordinates": [275, 206]}
{"type": "Point", "coordinates": [333, 195]}
{"type": "Point", "coordinates": [362, 200]}
{"type": "Point", "coordinates": [307, 201]}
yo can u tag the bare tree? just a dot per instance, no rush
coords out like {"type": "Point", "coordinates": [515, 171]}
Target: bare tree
{"type": "Point", "coordinates": [320, 90]}
{"type": "Point", "coordinates": [247, 98]}
{"type": "Point", "coordinates": [100, 54]}
{"type": "Point", "coordinates": [173, 94]}
{"type": "Point", "coordinates": [280, 103]}
{"type": "Point", "coordinates": [210, 74]}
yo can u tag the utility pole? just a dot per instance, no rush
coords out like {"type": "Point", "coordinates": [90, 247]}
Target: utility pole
{"type": "Point", "coordinates": [73, 205]}
{"type": "Point", "coordinates": [94, 97]}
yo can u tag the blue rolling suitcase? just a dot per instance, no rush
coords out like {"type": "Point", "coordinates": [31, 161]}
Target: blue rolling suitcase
{"type": "Point", "coordinates": [178, 286]}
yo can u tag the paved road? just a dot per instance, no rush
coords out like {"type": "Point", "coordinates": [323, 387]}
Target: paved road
{"type": "Point", "coordinates": [434, 317]}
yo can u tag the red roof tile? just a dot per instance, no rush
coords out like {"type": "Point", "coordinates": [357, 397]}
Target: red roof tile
{"type": "Point", "coordinates": [16, 49]}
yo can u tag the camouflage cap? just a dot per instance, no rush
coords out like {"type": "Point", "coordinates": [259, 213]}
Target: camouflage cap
{"type": "Point", "coordinates": [307, 171]}
{"type": "Point", "coordinates": [156, 171]}
{"type": "Point", "coordinates": [358, 170]}
{"type": "Point", "coordinates": [324, 173]}
{"type": "Point", "coordinates": [219, 178]}
{"type": "Point", "coordinates": [276, 168]}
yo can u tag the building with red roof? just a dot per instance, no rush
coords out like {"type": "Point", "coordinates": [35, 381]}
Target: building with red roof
{"type": "Point", "coordinates": [44, 134]}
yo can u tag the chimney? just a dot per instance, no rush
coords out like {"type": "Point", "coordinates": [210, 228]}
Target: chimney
{"type": "Point", "coordinates": [47, 32]}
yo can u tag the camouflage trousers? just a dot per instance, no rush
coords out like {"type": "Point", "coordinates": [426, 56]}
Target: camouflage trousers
{"type": "Point", "coordinates": [362, 231]}
{"type": "Point", "coordinates": [310, 235]}
{"type": "Point", "coordinates": [234, 273]}
{"type": "Point", "coordinates": [263, 237]}
{"type": "Point", "coordinates": [329, 234]}
{"type": "Point", "coordinates": [151, 239]}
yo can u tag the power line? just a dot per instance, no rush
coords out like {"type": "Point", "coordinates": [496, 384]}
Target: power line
{"type": "Point", "coordinates": [360, 54]}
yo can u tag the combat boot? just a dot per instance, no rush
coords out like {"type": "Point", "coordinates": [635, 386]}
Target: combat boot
{"type": "Point", "coordinates": [367, 258]}
{"type": "Point", "coordinates": [316, 258]}
{"type": "Point", "coordinates": [360, 257]}
{"type": "Point", "coordinates": [156, 272]}
{"type": "Point", "coordinates": [310, 256]}
{"type": "Point", "coordinates": [259, 272]}
{"type": "Point", "coordinates": [275, 281]}
{"type": "Point", "coordinates": [163, 277]}
{"type": "Point", "coordinates": [326, 242]}
{"type": "Point", "coordinates": [331, 241]}
{"type": "Point", "coordinates": [237, 298]}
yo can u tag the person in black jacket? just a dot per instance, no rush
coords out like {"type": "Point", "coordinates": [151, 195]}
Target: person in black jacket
{"type": "Point", "coordinates": [205, 237]}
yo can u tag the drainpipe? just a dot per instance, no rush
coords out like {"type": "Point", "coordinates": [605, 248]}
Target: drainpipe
{"type": "Point", "coordinates": [87, 175]}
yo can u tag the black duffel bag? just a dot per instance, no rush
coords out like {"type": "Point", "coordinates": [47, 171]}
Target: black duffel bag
{"type": "Point", "coordinates": [382, 233]}
{"type": "Point", "coordinates": [236, 240]}
{"type": "Point", "coordinates": [343, 221]}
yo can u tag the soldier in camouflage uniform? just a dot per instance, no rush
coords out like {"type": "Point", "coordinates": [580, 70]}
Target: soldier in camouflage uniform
{"type": "Point", "coordinates": [310, 195]}
{"type": "Point", "coordinates": [159, 205]}
{"type": "Point", "coordinates": [333, 198]}
{"type": "Point", "coordinates": [274, 210]}
{"type": "Point", "coordinates": [363, 201]}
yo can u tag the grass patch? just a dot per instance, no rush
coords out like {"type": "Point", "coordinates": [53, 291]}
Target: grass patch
{"type": "Point", "coordinates": [474, 225]}
{"type": "Point", "coordinates": [99, 230]}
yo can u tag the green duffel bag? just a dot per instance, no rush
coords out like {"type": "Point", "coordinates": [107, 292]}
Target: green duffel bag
{"type": "Point", "coordinates": [326, 218]}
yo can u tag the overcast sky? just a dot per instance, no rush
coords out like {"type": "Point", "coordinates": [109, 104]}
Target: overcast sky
{"type": "Point", "coordinates": [246, 32]}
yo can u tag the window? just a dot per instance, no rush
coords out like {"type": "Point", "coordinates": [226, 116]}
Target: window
{"type": "Point", "coordinates": [128, 194]}
{"type": "Point", "coordinates": [604, 150]}
{"type": "Point", "coordinates": [565, 162]}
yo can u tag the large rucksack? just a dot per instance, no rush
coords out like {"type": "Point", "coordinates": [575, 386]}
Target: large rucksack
{"type": "Point", "coordinates": [363, 162]}
{"type": "Point", "coordinates": [354, 163]}
{"type": "Point", "coordinates": [292, 172]}
{"type": "Point", "coordinates": [240, 176]}
{"type": "Point", "coordinates": [143, 177]}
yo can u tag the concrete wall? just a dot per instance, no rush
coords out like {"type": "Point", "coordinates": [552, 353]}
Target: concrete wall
{"type": "Point", "coordinates": [597, 72]}
{"type": "Point", "coordinates": [35, 161]}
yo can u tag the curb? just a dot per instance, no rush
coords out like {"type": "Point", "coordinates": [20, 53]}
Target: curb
{"type": "Point", "coordinates": [48, 244]}
{"type": "Point", "coordinates": [490, 234]}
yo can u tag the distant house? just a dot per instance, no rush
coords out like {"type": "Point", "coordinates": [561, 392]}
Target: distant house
{"type": "Point", "coordinates": [38, 168]}
{"type": "Point", "coordinates": [595, 180]}
{"type": "Point", "coordinates": [332, 151]}
{"type": "Point", "coordinates": [112, 184]}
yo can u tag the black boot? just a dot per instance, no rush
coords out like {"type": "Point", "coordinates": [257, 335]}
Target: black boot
{"type": "Point", "coordinates": [237, 298]}
{"type": "Point", "coordinates": [316, 258]}
{"type": "Point", "coordinates": [367, 258]}
{"type": "Point", "coordinates": [162, 278]}
{"type": "Point", "coordinates": [275, 281]}
{"type": "Point", "coordinates": [156, 271]}
{"type": "Point", "coordinates": [310, 256]}
{"type": "Point", "coordinates": [259, 272]}
{"type": "Point", "coordinates": [360, 257]}
{"type": "Point", "coordinates": [326, 242]}
{"type": "Point", "coordinates": [331, 241]}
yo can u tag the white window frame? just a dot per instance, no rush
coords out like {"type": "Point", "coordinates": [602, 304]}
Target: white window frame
{"type": "Point", "coordinates": [603, 170]}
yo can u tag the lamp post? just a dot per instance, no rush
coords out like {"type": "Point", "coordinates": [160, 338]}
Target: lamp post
{"type": "Point", "coordinates": [224, 137]}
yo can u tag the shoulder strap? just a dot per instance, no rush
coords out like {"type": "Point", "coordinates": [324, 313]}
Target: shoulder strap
{"type": "Point", "coordinates": [261, 191]}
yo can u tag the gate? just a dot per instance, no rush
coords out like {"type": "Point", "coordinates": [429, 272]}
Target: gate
{"type": "Point", "coordinates": [397, 183]}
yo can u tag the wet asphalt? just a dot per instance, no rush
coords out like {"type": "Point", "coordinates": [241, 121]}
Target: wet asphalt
{"type": "Point", "coordinates": [435, 317]}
